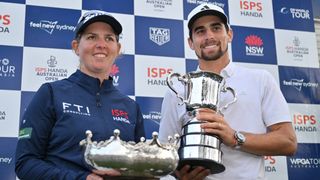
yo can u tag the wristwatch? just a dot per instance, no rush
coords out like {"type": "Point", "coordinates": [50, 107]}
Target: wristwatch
{"type": "Point", "coordinates": [240, 139]}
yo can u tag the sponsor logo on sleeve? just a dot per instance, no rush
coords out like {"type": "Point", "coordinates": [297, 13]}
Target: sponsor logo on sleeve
{"type": "Point", "coordinates": [25, 133]}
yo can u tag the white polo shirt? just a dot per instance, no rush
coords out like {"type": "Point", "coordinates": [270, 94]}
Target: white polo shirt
{"type": "Point", "coordinates": [259, 104]}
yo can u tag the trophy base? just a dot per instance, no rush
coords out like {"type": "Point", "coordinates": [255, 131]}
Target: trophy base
{"type": "Point", "coordinates": [199, 155]}
{"type": "Point", "coordinates": [213, 166]}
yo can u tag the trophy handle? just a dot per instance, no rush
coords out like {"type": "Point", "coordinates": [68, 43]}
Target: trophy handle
{"type": "Point", "coordinates": [225, 89]}
{"type": "Point", "coordinates": [170, 85]}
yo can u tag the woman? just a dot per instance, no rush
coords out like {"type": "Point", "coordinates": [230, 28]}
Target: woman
{"type": "Point", "coordinates": [60, 112]}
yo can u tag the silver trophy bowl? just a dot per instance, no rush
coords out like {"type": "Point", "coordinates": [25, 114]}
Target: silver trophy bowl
{"type": "Point", "coordinates": [202, 89]}
{"type": "Point", "coordinates": [147, 159]}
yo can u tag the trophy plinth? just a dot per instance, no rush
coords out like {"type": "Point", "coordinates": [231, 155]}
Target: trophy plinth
{"type": "Point", "coordinates": [147, 159]}
{"type": "Point", "coordinates": [202, 90]}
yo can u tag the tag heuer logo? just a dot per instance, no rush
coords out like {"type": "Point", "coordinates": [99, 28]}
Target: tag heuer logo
{"type": "Point", "coordinates": [159, 35]}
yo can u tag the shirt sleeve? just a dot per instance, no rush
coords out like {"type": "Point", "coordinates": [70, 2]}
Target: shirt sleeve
{"type": "Point", "coordinates": [34, 134]}
{"type": "Point", "coordinates": [274, 106]}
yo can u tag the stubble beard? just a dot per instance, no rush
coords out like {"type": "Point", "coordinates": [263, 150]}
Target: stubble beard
{"type": "Point", "coordinates": [212, 56]}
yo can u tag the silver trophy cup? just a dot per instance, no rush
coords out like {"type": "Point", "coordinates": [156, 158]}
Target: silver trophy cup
{"type": "Point", "coordinates": [148, 159]}
{"type": "Point", "coordinates": [201, 90]}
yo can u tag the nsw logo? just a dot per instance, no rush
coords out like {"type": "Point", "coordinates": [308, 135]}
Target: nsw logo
{"type": "Point", "coordinates": [254, 46]}
{"type": "Point", "coordinates": [159, 36]}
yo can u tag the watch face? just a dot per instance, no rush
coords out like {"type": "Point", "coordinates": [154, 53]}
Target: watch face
{"type": "Point", "coordinates": [240, 138]}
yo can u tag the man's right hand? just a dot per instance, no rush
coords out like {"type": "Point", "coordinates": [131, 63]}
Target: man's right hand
{"type": "Point", "coordinates": [197, 173]}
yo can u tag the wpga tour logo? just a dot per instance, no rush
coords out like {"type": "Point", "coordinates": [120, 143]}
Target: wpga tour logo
{"type": "Point", "coordinates": [159, 35]}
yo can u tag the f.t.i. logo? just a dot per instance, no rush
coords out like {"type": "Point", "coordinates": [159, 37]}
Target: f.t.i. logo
{"type": "Point", "coordinates": [159, 35]}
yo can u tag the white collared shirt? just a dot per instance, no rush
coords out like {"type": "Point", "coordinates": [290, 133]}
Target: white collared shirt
{"type": "Point", "coordinates": [259, 104]}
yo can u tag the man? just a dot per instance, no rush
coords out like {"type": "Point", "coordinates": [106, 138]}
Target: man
{"type": "Point", "coordinates": [256, 125]}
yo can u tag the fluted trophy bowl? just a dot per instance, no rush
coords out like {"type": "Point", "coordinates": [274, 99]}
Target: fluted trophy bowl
{"type": "Point", "coordinates": [147, 159]}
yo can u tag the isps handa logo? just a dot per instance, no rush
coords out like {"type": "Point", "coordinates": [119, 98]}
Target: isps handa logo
{"type": "Point", "coordinates": [270, 163]}
{"type": "Point", "coordinates": [305, 123]}
{"type": "Point", "coordinates": [51, 73]}
{"type": "Point", "coordinates": [297, 49]}
{"type": "Point", "coordinates": [156, 75]}
{"type": "Point", "coordinates": [120, 115]}
{"type": "Point", "coordinates": [4, 23]}
{"type": "Point", "coordinates": [251, 9]}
